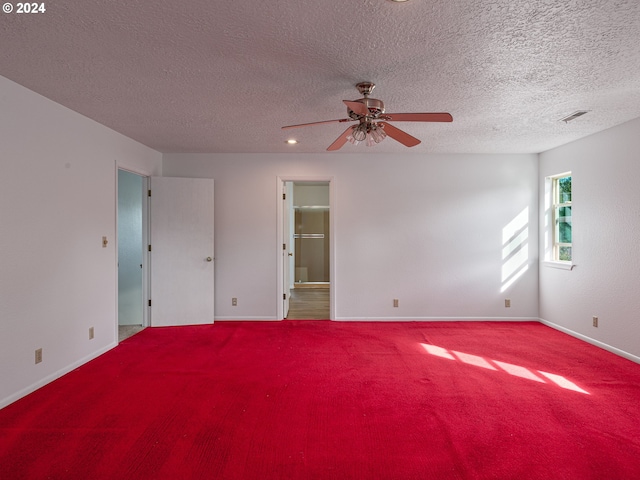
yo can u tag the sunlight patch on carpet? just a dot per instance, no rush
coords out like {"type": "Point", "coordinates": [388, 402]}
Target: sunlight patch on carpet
{"type": "Point", "coordinates": [515, 370]}
{"type": "Point", "coordinates": [563, 382]}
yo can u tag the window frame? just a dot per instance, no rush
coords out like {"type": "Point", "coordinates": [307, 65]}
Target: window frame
{"type": "Point", "coordinates": [556, 205]}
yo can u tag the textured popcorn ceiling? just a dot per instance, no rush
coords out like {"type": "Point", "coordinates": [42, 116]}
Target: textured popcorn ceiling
{"type": "Point", "coordinates": [224, 76]}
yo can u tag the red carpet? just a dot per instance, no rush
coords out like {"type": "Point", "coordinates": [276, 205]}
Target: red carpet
{"type": "Point", "coordinates": [328, 400]}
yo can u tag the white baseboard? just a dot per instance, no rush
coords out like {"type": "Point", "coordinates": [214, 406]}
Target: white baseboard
{"type": "Point", "coordinates": [437, 319]}
{"type": "Point", "coordinates": [54, 376]}
{"type": "Point", "coordinates": [248, 319]}
{"type": "Point", "coordinates": [592, 341]}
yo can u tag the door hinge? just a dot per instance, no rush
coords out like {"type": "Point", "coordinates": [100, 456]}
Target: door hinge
{"type": "Point", "coordinates": [149, 302]}
{"type": "Point", "coordinates": [284, 196]}
{"type": "Point", "coordinates": [149, 247]}
{"type": "Point", "coordinates": [149, 192]}
{"type": "Point", "coordinates": [284, 296]}
{"type": "Point", "coordinates": [284, 246]}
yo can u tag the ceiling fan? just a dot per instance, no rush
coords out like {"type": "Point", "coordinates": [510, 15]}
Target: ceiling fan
{"type": "Point", "coordinates": [373, 124]}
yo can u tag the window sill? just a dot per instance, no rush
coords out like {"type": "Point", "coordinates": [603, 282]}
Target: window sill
{"type": "Point", "coordinates": [560, 265]}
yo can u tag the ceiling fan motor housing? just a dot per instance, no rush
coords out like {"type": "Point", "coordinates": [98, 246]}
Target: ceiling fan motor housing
{"type": "Point", "coordinates": [374, 106]}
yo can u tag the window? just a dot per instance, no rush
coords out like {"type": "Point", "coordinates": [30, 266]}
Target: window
{"type": "Point", "coordinates": [561, 217]}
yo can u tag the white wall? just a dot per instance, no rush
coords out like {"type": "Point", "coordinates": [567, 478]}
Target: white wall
{"type": "Point", "coordinates": [433, 227]}
{"type": "Point", "coordinates": [606, 234]}
{"type": "Point", "coordinates": [58, 198]}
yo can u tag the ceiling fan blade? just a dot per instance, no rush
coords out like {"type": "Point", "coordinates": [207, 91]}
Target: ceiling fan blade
{"type": "Point", "coordinates": [398, 135]}
{"type": "Point", "coordinates": [357, 107]}
{"type": "Point", "coordinates": [318, 123]}
{"type": "Point", "coordinates": [418, 117]}
{"type": "Point", "coordinates": [341, 140]}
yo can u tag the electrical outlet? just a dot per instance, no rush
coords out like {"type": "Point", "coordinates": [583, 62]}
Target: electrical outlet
{"type": "Point", "coordinates": [39, 355]}
{"type": "Point", "coordinates": [91, 333]}
{"type": "Point", "coordinates": [396, 302]}
{"type": "Point", "coordinates": [507, 303]}
{"type": "Point", "coordinates": [595, 322]}
{"type": "Point", "coordinates": [234, 302]}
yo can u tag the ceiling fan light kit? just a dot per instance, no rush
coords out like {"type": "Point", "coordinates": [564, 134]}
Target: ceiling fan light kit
{"type": "Point", "coordinates": [373, 134]}
{"type": "Point", "coordinates": [373, 126]}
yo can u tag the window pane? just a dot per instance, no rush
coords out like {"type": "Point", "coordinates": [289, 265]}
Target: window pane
{"type": "Point", "coordinates": [564, 224]}
{"type": "Point", "coordinates": [562, 232]}
{"type": "Point", "coordinates": [564, 254]}
{"type": "Point", "coordinates": [564, 189]}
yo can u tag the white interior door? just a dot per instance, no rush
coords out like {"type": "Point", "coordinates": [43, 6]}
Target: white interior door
{"type": "Point", "coordinates": [287, 251]}
{"type": "Point", "coordinates": [181, 239]}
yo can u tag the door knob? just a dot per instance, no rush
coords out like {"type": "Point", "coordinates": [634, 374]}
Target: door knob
{"type": "Point", "coordinates": [291, 254]}
{"type": "Point", "coordinates": [209, 259]}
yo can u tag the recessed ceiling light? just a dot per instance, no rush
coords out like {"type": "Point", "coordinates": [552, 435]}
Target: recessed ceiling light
{"type": "Point", "coordinates": [398, 1]}
{"type": "Point", "coordinates": [292, 141]}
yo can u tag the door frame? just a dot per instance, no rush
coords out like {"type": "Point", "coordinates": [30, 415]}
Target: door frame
{"type": "Point", "coordinates": [145, 241]}
{"type": "Point", "coordinates": [287, 237]}
{"type": "Point", "coordinates": [280, 290]}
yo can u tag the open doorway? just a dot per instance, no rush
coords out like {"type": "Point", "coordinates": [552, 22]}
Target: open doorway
{"type": "Point", "coordinates": [132, 218]}
{"type": "Point", "coordinates": [307, 249]}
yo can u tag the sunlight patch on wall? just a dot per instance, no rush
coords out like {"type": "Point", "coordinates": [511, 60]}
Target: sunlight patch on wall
{"type": "Point", "coordinates": [515, 249]}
